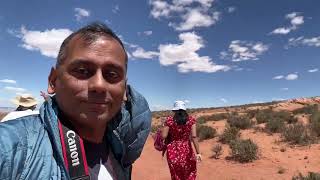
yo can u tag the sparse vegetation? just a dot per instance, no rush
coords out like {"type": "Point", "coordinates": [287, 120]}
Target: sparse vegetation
{"type": "Point", "coordinates": [244, 150]}
{"type": "Point", "coordinates": [263, 116]}
{"type": "Point", "coordinates": [217, 149]}
{"type": "Point", "coordinates": [205, 132]}
{"type": "Point", "coordinates": [201, 120]}
{"type": "Point", "coordinates": [214, 117]}
{"type": "Point", "coordinates": [297, 134]}
{"type": "Point", "coordinates": [229, 134]}
{"type": "Point", "coordinates": [315, 123]}
{"type": "Point", "coordinates": [238, 121]}
{"type": "Point", "coordinates": [310, 176]}
{"type": "Point", "coordinates": [308, 109]}
{"type": "Point", "coordinates": [274, 125]}
{"type": "Point", "coordinates": [281, 170]}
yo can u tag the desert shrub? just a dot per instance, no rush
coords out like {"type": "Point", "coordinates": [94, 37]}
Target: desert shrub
{"type": "Point", "coordinates": [229, 134]}
{"type": "Point", "coordinates": [274, 125]}
{"type": "Point", "coordinates": [201, 120]}
{"type": "Point", "coordinates": [315, 123]}
{"type": "Point", "coordinates": [308, 109]}
{"type": "Point", "coordinates": [241, 122]}
{"type": "Point", "coordinates": [285, 116]}
{"type": "Point", "coordinates": [310, 176]}
{"type": "Point", "coordinates": [264, 115]}
{"type": "Point", "coordinates": [244, 150]}
{"type": "Point", "coordinates": [296, 134]}
{"type": "Point", "coordinates": [205, 132]}
{"type": "Point", "coordinates": [281, 170]}
{"type": "Point", "coordinates": [252, 113]}
{"type": "Point", "coordinates": [214, 117]}
{"type": "Point", "coordinates": [154, 128]}
{"type": "Point", "coordinates": [217, 150]}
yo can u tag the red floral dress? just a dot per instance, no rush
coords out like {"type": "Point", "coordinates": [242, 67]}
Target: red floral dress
{"type": "Point", "coordinates": [180, 156]}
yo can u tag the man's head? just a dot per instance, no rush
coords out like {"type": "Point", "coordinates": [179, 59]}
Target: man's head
{"type": "Point", "coordinates": [25, 102]}
{"type": "Point", "coordinates": [90, 75]}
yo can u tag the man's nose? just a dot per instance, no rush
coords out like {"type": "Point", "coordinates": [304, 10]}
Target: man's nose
{"type": "Point", "coordinates": [97, 83]}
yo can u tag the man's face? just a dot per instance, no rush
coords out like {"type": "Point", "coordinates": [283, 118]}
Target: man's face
{"type": "Point", "coordinates": [90, 83]}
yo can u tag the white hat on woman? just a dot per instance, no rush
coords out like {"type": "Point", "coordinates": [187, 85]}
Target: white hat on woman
{"type": "Point", "coordinates": [179, 105]}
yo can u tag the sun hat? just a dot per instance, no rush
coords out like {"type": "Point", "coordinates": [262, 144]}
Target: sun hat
{"type": "Point", "coordinates": [24, 100]}
{"type": "Point", "coordinates": [179, 105]}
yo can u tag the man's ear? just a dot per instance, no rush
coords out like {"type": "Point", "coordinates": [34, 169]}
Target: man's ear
{"type": "Point", "coordinates": [125, 92]}
{"type": "Point", "coordinates": [52, 81]}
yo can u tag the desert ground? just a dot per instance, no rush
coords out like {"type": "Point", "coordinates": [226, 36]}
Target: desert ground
{"type": "Point", "coordinates": [277, 159]}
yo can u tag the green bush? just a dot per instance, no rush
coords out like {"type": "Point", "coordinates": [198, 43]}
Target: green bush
{"type": "Point", "coordinates": [274, 125]}
{"type": "Point", "coordinates": [201, 120]}
{"type": "Point", "coordinates": [264, 115]}
{"type": "Point", "coordinates": [315, 123]}
{"type": "Point", "coordinates": [309, 109]}
{"type": "Point", "coordinates": [244, 150]}
{"type": "Point", "coordinates": [310, 176]}
{"type": "Point", "coordinates": [252, 113]}
{"type": "Point", "coordinates": [229, 134]}
{"type": "Point", "coordinates": [296, 134]}
{"type": "Point", "coordinates": [217, 150]}
{"type": "Point", "coordinates": [154, 128]}
{"type": "Point", "coordinates": [205, 132]}
{"type": "Point", "coordinates": [241, 122]}
{"type": "Point", "coordinates": [213, 117]}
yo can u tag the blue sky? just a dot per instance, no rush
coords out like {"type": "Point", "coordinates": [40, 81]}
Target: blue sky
{"type": "Point", "coordinates": [206, 52]}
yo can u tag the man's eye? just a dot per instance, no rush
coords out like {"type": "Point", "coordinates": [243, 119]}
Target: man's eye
{"type": "Point", "coordinates": [82, 71]}
{"type": "Point", "coordinates": [112, 76]}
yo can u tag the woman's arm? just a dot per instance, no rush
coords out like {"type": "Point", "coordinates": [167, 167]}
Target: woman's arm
{"type": "Point", "coordinates": [164, 132]}
{"type": "Point", "coordinates": [195, 142]}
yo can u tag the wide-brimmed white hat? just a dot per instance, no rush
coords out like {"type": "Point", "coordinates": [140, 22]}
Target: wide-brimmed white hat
{"type": "Point", "coordinates": [179, 105]}
{"type": "Point", "coordinates": [24, 100]}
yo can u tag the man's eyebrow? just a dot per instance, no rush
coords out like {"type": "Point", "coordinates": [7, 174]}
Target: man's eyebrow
{"type": "Point", "coordinates": [81, 61]}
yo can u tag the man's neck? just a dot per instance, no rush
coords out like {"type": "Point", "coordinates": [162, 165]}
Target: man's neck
{"type": "Point", "coordinates": [94, 135]}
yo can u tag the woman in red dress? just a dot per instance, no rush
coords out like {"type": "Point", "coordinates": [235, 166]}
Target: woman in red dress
{"type": "Point", "coordinates": [180, 131]}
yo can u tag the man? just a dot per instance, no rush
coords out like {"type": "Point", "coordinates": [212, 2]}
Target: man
{"type": "Point", "coordinates": [26, 106]}
{"type": "Point", "coordinates": [94, 126]}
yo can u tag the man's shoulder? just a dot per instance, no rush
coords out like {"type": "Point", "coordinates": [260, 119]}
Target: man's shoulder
{"type": "Point", "coordinates": [16, 133]}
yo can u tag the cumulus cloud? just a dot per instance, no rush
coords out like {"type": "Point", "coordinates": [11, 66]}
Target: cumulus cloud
{"type": "Point", "coordinates": [243, 51]}
{"type": "Point", "coordinates": [284, 89]}
{"type": "Point", "coordinates": [278, 77]}
{"type": "Point", "coordinates": [231, 9]}
{"type": "Point", "coordinates": [185, 55]}
{"type": "Point", "coordinates": [14, 89]}
{"type": "Point", "coordinates": [223, 100]}
{"type": "Point", "coordinates": [313, 70]}
{"type": "Point", "coordinates": [8, 81]}
{"type": "Point", "coordinates": [47, 42]}
{"type": "Point", "coordinates": [146, 33]}
{"type": "Point", "coordinates": [142, 54]}
{"type": "Point", "coordinates": [81, 13]}
{"type": "Point", "coordinates": [313, 41]}
{"type": "Point", "coordinates": [295, 21]}
{"type": "Point", "coordinates": [115, 9]}
{"type": "Point", "coordinates": [190, 13]}
{"type": "Point", "coordinates": [289, 77]}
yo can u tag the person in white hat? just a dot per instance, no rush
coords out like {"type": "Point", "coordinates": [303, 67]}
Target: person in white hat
{"type": "Point", "coordinates": [180, 131]}
{"type": "Point", "coordinates": [26, 106]}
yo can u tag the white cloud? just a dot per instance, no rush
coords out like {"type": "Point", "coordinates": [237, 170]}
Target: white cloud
{"type": "Point", "coordinates": [231, 9]}
{"type": "Point", "coordinates": [47, 42]}
{"type": "Point", "coordinates": [295, 22]}
{"type": "Point", "coordinates": [185, 55]}
{"type": "Point", "coordinates": [243, 50]}
{"type": "Point", "coordinates": [313, 41]}
{"type": "Point", "coordinates": [146, 33]}
{"type": "Point", "coordinates": [284, 89]}
{"type": "Point", "coordinates": [81, 13]}
{"type": "Point", "coordinates": [193, 13]}
{"type": "Point", "coordinates": [278, 77]}
{"type": "Point", "coordinates": [158, 107]}
{"type": "Point", "coordinates": [142, 54]}
{"type": "Point", "coordinates": [115, 9]}
{"type": "Point", "coordinates": [223, 100]}
{"type": "Point", "coordinates": [14, 89]}
{"type": "Point", "coordinates": [8, 81]}
{"type": "Point", "coordinates": [313, 70]}
{"type": "Point", "coordinates": [291, 77]}
{"type": "Point", "coordinates": [186, 101]}
{"type": "Point", "coordinates": [196, 18]}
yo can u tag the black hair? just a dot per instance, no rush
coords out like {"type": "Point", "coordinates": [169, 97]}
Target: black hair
{"type": "Point", "coordinates": [180, 117]}
{"type": "Point", "coordinates": [89, 34]}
